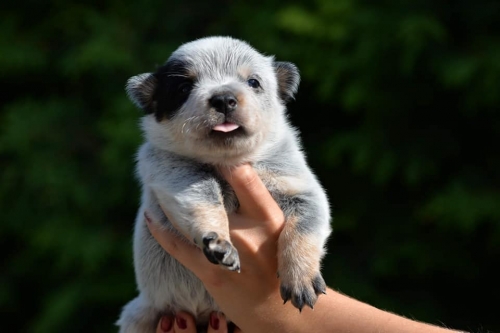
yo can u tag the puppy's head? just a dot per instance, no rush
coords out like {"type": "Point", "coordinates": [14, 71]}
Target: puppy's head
{"type": "Point", "coordinates": [216, 99]}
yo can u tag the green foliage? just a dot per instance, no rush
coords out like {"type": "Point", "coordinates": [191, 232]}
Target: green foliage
{"type": "Point", "coordinates": [398, 109]}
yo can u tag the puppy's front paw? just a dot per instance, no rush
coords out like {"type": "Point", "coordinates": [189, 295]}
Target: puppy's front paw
{"type": "Point", "coordinates": [302, 291]}
{"type": "Point", "coordinates": [220, 251]}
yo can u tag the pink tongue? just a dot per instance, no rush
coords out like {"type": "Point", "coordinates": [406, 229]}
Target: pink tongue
{"type": "Point", "coordinates": [225, 127]}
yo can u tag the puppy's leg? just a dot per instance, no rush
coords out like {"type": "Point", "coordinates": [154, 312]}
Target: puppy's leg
{"type": "Point", "coordinates": [199, 213]}
{"type": "Point", "coordinates": [138, 317]}
{"type": "Point", "coordinates": [300, 249]}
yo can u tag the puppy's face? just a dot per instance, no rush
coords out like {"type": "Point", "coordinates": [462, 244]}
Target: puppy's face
{"type": "Point", "coordinates": [215, 99]}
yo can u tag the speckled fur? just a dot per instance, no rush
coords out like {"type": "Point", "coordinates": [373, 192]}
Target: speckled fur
{"type": "Point", "coordinates": [176, 166]}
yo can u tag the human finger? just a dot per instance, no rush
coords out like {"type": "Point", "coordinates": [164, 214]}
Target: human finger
{"type": "Point", "coordinates": [253, 196]}
{"type": "Point", "coordinates": [165, 324]}
{"type": "Point", "coordinates": [187, 254]}
{"type": "Point", "coordinates": [217, 323]}
{"type": "Point", "coordinates": [184, 323]}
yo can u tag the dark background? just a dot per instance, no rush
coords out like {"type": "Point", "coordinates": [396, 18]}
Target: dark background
{"type": "Point", "coordinates": [399, 114]}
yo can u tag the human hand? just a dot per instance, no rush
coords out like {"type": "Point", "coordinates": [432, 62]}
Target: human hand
{"type": "Point", "coordinates": [251, 299]}
{"type": "Point", "coordinates": [254, 231]}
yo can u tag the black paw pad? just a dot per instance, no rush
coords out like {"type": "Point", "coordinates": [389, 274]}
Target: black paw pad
{"type": "Point", "coordinates": [220, 252]}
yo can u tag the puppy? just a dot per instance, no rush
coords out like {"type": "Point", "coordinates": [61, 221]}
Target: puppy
{"type": "Point", "coordinates": [219, 102]}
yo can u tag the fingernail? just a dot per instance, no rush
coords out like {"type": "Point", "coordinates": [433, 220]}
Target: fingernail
{"type": "Point", "coordinates": [181, 322]}
{"type": "Point", "coordinates": [214, 321]}
{"type": "Point", "coordinates": [166, 324]}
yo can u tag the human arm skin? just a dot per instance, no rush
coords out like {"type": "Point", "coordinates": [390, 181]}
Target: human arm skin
{"type": "Point", "coordinates": [252, 299]}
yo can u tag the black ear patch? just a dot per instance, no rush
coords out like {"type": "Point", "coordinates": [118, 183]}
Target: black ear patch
{"type": "Point", "coordinates": [173, 89]}
{"type": "Point", "coordinates": [163, 92]}
{"type": "Point", "coordinates": [288, 79]}
{"type": "Point", "coordinates": [140, 89]}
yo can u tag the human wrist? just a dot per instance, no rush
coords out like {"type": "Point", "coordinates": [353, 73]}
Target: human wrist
{"type": "Point", "coordinates": [271, 315]}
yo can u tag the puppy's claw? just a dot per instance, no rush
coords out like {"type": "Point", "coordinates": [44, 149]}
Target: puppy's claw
{"type": "Point", "coordinates": [310, 302]}
{"type": "Point", "coordinates": [298, 302]}
{"type": "Point", "coordinates": [235, 268]}
{"type": "Point", "coordinates": [319, 285]}
{"type": "Point", "coordinates": [286, 293]}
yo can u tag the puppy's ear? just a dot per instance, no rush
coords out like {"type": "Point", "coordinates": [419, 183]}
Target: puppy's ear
{"type": "Point", "coordinates": [141, 89]}
{"type": "Point", "coordinates": [288, 79]}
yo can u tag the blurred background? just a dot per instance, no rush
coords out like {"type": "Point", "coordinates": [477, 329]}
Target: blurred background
{"type": "Point", "coordinates": [399, 114]}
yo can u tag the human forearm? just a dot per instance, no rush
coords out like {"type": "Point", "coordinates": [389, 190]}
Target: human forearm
{"type": "Point", "coordinates": [334, 313]}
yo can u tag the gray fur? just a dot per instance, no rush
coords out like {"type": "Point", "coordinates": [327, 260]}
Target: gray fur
{"type": "Point", "coordinates": [140, 90]}
{"type": "Point", "coordinates": [176, 166]}
{"type": "Point", "coordinates": [288, 79]}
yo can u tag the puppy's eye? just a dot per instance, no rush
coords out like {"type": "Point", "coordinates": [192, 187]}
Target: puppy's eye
{"type": "Point", "coordinates": [185, 88]}
{"type": "Point", "coordinates": [253, 83]}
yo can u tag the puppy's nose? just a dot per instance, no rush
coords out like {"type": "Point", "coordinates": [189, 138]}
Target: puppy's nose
{"type": "Point", "coordinates": [224, 102]}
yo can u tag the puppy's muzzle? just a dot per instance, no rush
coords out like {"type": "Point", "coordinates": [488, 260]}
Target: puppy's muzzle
{"type": "Point", "coordinates": [224, 102]}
